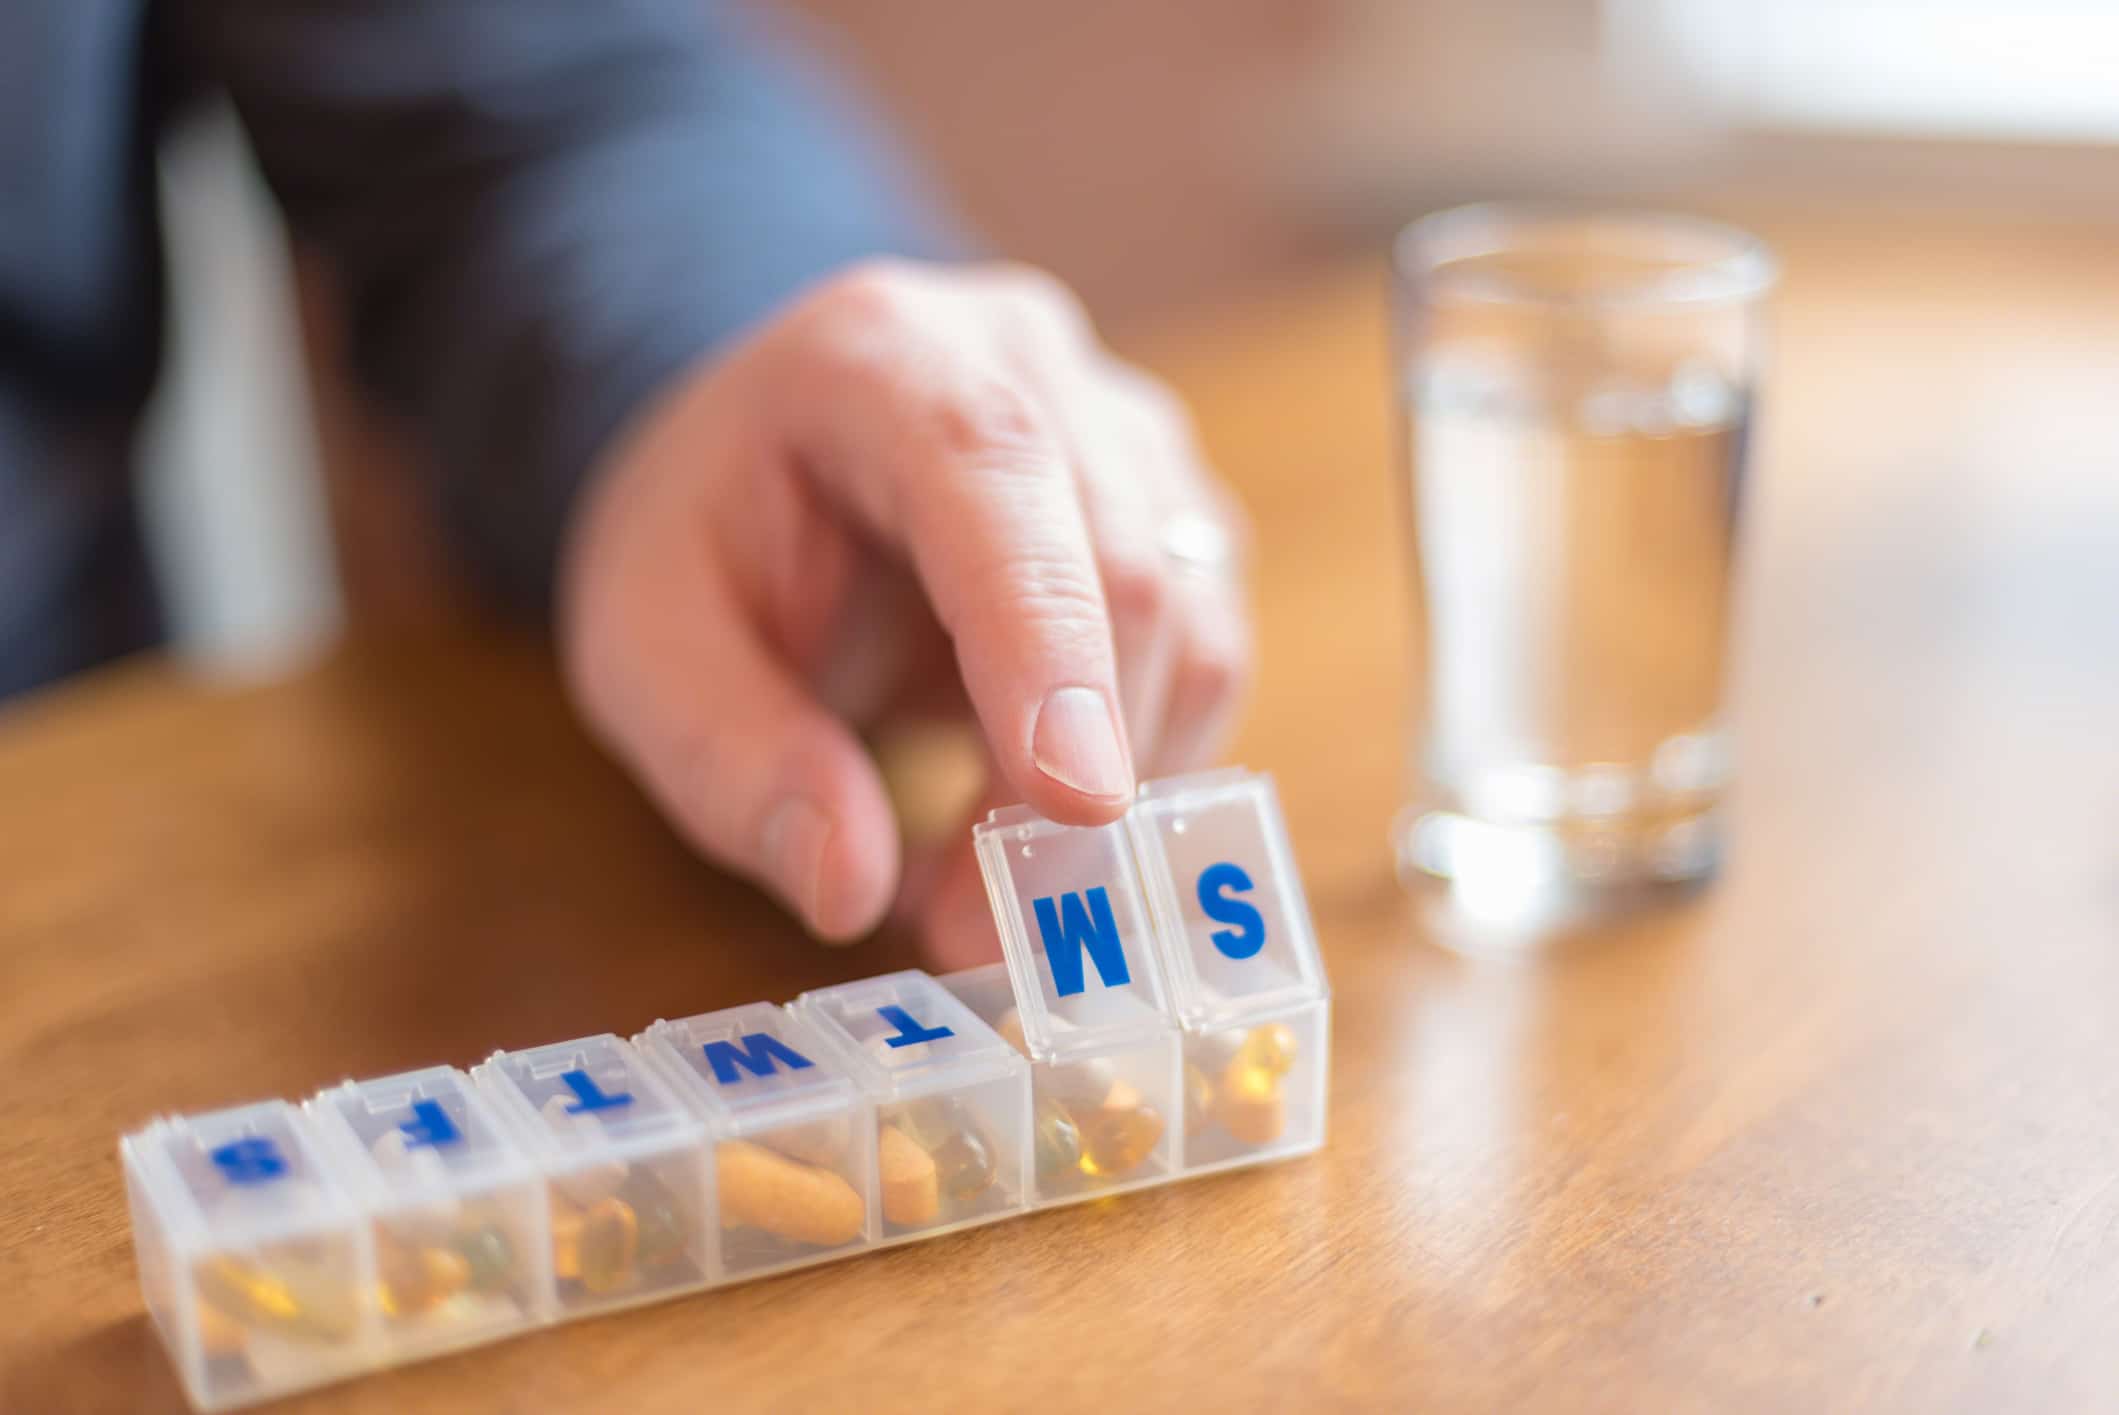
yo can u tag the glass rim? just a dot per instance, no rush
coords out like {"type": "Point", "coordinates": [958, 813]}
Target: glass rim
{"type": "Point", "coordinates": [1739, 267]}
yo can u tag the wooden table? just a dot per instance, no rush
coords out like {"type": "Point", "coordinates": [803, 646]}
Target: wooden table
{"type": "Point", "coordinates": [1842, 1135]}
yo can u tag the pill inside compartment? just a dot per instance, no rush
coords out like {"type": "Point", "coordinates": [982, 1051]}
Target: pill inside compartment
{"type": "Point", "coordinates": [1255, 1090]}
{"type": "Point", "coordinates": [1083, 997]}
{"type": "Point", "coordinates": [254, 1258]}
{"type": "Point", "coordinates": [1246, 982]}
{"type": "Point", "coordinates": [792, 1137]}
{"type": "Point", "coordinates": [456, 1209]}
{"type": "Point", "coordinates": [624, 1167]}
{"type": "Point", "coordinates": [952, 1100]}
{"type": "Point", "coordinates": [1101, 1120]}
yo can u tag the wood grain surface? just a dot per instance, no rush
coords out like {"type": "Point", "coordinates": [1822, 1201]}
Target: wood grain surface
{"type": "Point", "coordinates": [1841, 1135]}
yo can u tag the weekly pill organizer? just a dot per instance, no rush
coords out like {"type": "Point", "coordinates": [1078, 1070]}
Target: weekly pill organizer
{"type": "Point", "coordinates": [1161, 1012]}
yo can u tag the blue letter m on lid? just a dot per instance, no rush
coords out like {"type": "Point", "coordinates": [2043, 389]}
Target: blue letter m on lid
{"type": "Point", "coordinates": [1070, 929]}
{"type": "Point", "coordinates": [754, 1053]}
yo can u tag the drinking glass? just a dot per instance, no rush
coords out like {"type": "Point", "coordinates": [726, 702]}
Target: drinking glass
{"type": "Point", "coordinates": [1576, 392]}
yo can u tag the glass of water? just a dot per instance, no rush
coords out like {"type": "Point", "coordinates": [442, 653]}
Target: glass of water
{"type": "Point", "coordinates": [1576, 390]}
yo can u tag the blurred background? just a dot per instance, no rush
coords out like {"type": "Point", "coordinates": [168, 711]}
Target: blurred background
{"type": "Point", "coordinates": [1159, 155]}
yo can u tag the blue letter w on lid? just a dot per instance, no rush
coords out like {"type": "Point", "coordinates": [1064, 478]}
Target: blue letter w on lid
{"type": "Point", "coordinates": [754, 1053]}
{"type": "Point", "coordinates": [1070, 929]}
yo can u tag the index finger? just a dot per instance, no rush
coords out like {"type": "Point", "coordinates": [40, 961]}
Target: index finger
{"type": "Point", "coordinates": [905, 417]}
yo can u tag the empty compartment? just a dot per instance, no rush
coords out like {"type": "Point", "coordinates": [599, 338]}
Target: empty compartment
{"type": "Point", "coordinates": [1256, 1091]}
{"type": "Point", "coordinates": [623, 1164]}
{"type": "Point", "coordinates": [254, 1261]}
{"type": "Point", "coordinates": [1103, 1118]}
{"type": "Point", "coordinates": [456, 1210]}
{"type": "Point", "coordinates": [952, 1100]}
{"type": "Point", "coordinates": [793, 1137]}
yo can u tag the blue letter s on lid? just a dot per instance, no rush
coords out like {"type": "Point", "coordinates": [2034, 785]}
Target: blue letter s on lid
{"type": "Point", "coordinates": [1216, 884]}
{"type": "Point", "coordinates": [254, 1159]}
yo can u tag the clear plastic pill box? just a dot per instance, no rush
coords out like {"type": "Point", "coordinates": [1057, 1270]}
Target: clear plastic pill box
{"type": "Point", "coordinates": [1160, 1011]}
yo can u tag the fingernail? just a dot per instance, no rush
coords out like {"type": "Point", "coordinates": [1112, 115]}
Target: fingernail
{"type": "Point", "coordinates": [795, 836]}
{"type": "Point", "coordinates": [1077, 744]}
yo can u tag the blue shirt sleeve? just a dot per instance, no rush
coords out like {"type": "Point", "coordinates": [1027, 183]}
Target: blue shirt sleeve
{"type": "Point", "coordinates": [543, 210]}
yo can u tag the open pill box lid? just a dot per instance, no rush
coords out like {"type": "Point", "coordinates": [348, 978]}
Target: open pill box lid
{"type": "Point", "coordinates": [1075, 932]}
{"type": "Point", "coordinates": [748, 1068]}
{"type": "Point", "coordinates": [240, 1178]}
{"type": "Point", "coordinates": [1227, 900]}
{"type": "Point", "coordinates": [446, 1138]}
{"type": "Point", "coordinates": [905, 1035]}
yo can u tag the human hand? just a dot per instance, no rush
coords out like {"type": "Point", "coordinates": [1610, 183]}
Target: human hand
{"type": "Point", "coordinates": [919, 490]}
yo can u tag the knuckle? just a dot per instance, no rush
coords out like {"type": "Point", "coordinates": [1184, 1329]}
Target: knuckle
{"type": "Point", "coordinates": [878, 291]}
{"type": "Point", "coordinates": [1039, 284]}
{"type": "Point", "coordinates": [1218, 672]}
{"type": "Point", "coordinates": [990, 422]}
{"type": "Point", "coordinates": [1042, 300]}
{"type": "Point", "coordinates": [1136, 586]}
{"type": "Point", "coordinates": [1048, 592]}
{"type": "Point", "coordinates": [1155, 400]}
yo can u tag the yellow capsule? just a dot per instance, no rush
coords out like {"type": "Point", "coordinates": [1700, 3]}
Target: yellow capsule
{"type": "Point", "coordinates": [965, 1163]}
{"type": "Point", "coordinates": [1271, 1049]}
{"type": "Point", "coordinates": [662, 1238]}
{"type": "Point", "coordinates": [950, 1132]}
{"type": "Point", "coordinates": [415, 1279]}
{"type": "Point", "coordinates": [1119, 1134]}
{"type": "Point", "coordinates": [252, 1293]}
{"type": "Point", "coordinates": [487, 1255]}
{"type": "Point", "coordinates": [1059, 1140]}
{"type": "Point", "coordinates": [298, 1303]}
{"type": "Point", "coordinates": [1249, 1103]}
{"type": "Point", "coordinates": [609, 1245]}
{"type": "Point", "coordinates": [566, 1239]}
